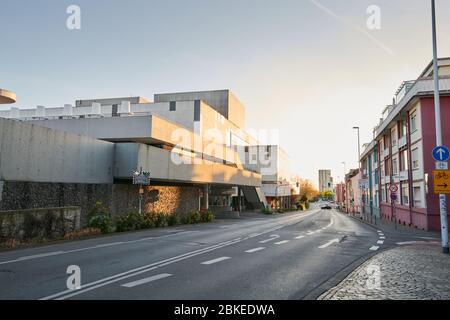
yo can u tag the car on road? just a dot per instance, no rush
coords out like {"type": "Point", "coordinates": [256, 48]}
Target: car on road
{"type": "Point", "coordinates": [326, 207]}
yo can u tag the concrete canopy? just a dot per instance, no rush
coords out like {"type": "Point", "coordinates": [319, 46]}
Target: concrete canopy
{"type": "Point", "coordinates": [7, 96]}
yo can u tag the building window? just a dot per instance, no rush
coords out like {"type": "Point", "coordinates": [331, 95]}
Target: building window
{"type": "Point", "coordinates": [418, 197]}
{"type": "Point", "coordinates": [415, 158]}
{"type": "Point", "coordinates": [394, 137]}
{"type": "Point", "coordinates": [405, 195]}
{"type": "Point", "coordinates": [403, 128]}
{"type": "Point", "coordinates": [404, 160]}
{"type": "Point", "coordinates": [173, 106]}
{"type": "Point", "coordinates": [395, 167]}
{"type": "Point", "coordinates": [383, 194]}
{"type": "Point", "coordinates": [413, 121]}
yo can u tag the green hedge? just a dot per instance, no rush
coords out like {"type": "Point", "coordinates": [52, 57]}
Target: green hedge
{"type": "Point", "coordinates": [135, 221]}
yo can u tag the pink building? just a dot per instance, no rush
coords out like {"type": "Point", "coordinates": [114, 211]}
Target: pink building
{"type": "Point", "coordinates": [403, 141]}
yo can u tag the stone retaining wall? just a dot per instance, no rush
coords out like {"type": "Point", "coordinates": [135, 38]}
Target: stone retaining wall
{"type": "Point", "coordinates": [48, 223]}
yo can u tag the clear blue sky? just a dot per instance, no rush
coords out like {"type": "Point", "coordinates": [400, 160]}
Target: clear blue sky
{"type": "Point", "coordinates": [314, 73]}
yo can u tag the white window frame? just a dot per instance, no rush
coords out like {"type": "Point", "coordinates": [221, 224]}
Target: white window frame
{"type": "Point", "coordinates": [415, 162]}
{"type": "Point", "coordinates": [417, 199]}
{"type": "Point", "coordinates": [413, 120]}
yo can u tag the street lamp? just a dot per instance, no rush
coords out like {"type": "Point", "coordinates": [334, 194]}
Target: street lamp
{"type": "Point", "coordinates": [345, 168]}
{"type": "Point", "coordinates": [359, 167]}
{"type": "Point", "coordinates": [437, 112]}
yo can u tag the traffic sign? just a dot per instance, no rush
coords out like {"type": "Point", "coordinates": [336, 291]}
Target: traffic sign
{"type": "Point", "coordinates": [393, 196]}
{"type": "Point", "coordinates": [441, 181]}
{"type": "Point", "coordinates": [440, 165]}
{"type": "Point", "coordinates": [441, 153]}
{"type": "Point", "coordinates": [393, 188]}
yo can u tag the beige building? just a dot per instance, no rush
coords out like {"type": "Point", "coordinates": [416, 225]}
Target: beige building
{"type": "Point", "coordinates": [325, 181]}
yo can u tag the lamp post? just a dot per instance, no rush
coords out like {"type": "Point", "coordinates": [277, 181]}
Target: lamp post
{"type": "Point", "coordinates": [359, 167]}
{"type": "Point", "coordinates": [437, 112]}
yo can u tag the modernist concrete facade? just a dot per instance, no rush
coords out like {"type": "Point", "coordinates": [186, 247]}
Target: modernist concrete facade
{"type": "Point", "coordinates": [192, 149]}
{"type": "Point", "coordinates": [278, 182]}
{"type": "Point", "coordinates": [400, 153]}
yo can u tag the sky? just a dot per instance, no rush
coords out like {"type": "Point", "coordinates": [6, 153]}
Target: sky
{"type": "Point", "coordinates": [309, 68]}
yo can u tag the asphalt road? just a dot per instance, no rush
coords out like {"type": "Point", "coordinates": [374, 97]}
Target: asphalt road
{"type": "Point", "coordinates": [293, 256]}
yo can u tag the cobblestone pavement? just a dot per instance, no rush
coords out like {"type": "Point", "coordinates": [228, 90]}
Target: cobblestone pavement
{"type": "Point", "coordinates": [413, 272]}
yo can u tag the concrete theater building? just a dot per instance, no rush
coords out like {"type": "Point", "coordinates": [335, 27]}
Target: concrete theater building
{"type": "Point", "coordinates": [193, 144]}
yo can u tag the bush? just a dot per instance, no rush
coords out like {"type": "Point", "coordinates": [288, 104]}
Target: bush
{"type": "Point", "coordinates": [307, 205]}
{"type": "Point", "coordinates": [158, 219]}
{"type": "Point", "coordinates": [195, 217]}
{"type": "Point", "coordinates": [174, 219]}
{"type": "Point", "coordinates": [266, 211]}
{"type": "Point", "coordinates": [131, 221]}
{"type": "Point", "coordinates": [100, 221]}
{"type": "Point", "coordinates": [207, 216]}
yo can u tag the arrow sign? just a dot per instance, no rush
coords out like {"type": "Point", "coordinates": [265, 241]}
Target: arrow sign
{"type": "Point", "coordinates": [443, 185]}
{"type": "Point", "coordinates": [441, 153]}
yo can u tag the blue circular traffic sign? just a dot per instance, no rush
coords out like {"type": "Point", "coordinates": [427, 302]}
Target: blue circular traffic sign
{"type": "Point", "coordinates": [441, 153]}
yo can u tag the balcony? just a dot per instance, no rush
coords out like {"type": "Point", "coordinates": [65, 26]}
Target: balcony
{"type": "Point", "coordinates": [403, 175]}
{"type": "Point", "coordinates": [420, 87]}
{"type": "Point", "coordinates": [402, 142]}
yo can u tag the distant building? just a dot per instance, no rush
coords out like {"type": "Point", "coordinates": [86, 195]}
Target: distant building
{"type": "Point", "coordinates": [352, 192]}
{"type": "Point", "coordinates": [339, 195]}
{"type": "Point", "coordinates": [278, 183]}
{"type": "Point", "coordinates": [325, 181]}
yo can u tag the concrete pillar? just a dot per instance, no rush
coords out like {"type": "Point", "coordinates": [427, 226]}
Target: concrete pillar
{"type": "Point", "coordinates": [206, 196]}
{"type": "Point", "coordinates": [239, 200]}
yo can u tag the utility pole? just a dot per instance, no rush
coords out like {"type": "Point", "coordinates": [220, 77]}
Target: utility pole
{"type": "Point", "coordinates": [360, 172]}
{"type": "Point", "coordinates": [437, 111]}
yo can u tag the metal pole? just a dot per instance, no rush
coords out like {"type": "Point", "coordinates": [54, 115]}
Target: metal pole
{"type": "Point", "coordinates": [437, 111]}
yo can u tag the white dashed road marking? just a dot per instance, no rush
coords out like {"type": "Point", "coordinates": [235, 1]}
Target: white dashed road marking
{"type": "Point", "coordinates": [329, 243]}
{"type": "Point", "coordinates": [374, 248]}
{"type": "Point", "coordinates": [215, 260]}
{"type": "Point", "coordinates": [272, 237]}
{"type": "Point", "coordinates": [380, 242]}
{"type": "Point", "coordinates": [255, 250]}
{"type": "Point", "coordinates": [146, 280]}
{"type": "Point", "coordinates": [282, 242]}
{"type": "Point", "coordinates": [299, 237]}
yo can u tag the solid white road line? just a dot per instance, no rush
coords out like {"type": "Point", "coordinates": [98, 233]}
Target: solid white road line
{"type": "Point", "coordinates": [255, 250]}
{"type": "Point", "coordinates": [146, 280]}
{"type": "Point", "coordinates": [281, 242]}
{"type": "Point", "coordinates": [43, 255]}
{"type": "Point", "coordinates": [299, 237]}
{"type": "Point", "coordinates": [215, 260]}
{"type": "Point", "coordinates": [374, 248]}
{"type": "Point", "coordinates": [329, 243]}
{"type": "Point", "coordinates": [272, 237]}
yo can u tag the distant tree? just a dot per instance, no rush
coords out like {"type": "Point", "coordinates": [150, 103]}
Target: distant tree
{"type": "Point", "coordinates": [328, 195]}
{"type": "Point", "coordinates": [307, 191]}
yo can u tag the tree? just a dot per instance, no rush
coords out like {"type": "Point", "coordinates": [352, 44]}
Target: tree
{"type": "Point", "coordinates": [328, 195]}
{"type": "Point", "coordinates": [307, 190]}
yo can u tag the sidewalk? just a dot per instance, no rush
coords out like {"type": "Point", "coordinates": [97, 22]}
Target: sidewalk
{"type": "Point", "coordinates": [414, 272]}
{"type": "Point", "coordinates": [401, 230]}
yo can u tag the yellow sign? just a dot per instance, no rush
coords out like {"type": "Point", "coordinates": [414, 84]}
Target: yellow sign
{"type": "Point", "coordinates": [441, 180]}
